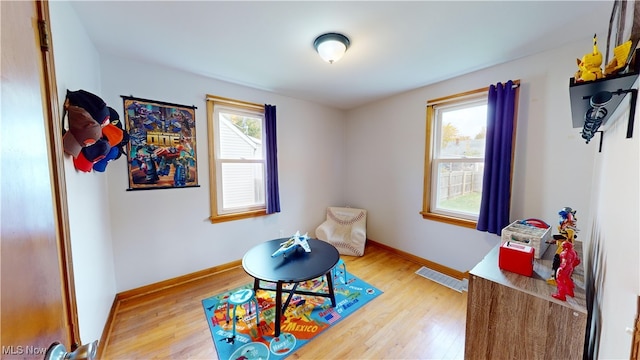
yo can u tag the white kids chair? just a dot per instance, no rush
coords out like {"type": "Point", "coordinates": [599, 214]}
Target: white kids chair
{"type": "Point", "coordinates": [346, 229]}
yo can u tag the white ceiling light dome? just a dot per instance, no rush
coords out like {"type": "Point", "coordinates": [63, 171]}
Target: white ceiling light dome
{"type": "Point", "coordinates": [331, 46]}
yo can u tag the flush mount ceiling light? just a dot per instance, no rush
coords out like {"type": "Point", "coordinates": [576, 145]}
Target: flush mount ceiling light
{"type": "Point", "coordinates": [331, 46]}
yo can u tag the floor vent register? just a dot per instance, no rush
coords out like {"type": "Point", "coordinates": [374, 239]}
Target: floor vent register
{"type": "Point", "coordinates": [442, 279]}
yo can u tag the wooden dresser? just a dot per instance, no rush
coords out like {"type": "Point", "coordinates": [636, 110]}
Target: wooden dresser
{"type": "Point", "coordinates": [510, 316]}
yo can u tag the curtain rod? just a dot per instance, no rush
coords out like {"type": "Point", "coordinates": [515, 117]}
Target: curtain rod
{"type": "Point", "coordinates": [516, 84]}
{"type": "Point", "coordinates": [221, 99]}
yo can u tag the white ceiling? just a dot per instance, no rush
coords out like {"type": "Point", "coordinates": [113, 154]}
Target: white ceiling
{"type": "Point", "coordinates": [395, 46]}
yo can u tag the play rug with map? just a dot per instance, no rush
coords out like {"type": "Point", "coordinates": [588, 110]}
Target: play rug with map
{"type": "Point", "coordinates": [305, 317]}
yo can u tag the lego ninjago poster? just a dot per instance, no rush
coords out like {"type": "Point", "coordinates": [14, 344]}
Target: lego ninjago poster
{"type": "Point", "coordinates": [162, 144]}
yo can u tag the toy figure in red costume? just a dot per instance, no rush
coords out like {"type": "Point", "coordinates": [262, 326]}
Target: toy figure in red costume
{"type": "Point", "coordinates": [567, 233]}
{"type": "Point", "coordinates": [568, 261]}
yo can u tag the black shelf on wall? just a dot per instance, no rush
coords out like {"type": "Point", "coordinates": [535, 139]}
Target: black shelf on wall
{"type": "Point", "coordinates": [614, 88]}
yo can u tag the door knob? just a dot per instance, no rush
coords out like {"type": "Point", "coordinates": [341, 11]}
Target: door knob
{"type": "Point", "coordinates": [57, 351]}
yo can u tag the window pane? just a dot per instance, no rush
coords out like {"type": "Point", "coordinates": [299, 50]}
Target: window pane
{"type": "Point", "coordinates": [463, 132]}
{"type": "Point", "coordinates": [240, 137]}
{"type": "Point", "coordinates": [455, 154]}
{"type": "Point", "coordinates": [459, 186]}
{"type": "Point", "coordinates": [242, 185]}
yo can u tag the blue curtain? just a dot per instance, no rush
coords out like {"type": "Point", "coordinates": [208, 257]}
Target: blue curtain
{"type": "Point", "coordinates": [273, 194]}
{"type": "Point", "coordinates": [496, 184]}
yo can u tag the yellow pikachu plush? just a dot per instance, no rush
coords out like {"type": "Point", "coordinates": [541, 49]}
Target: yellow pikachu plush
{"type": "Point", "coordinates": [589, 67]}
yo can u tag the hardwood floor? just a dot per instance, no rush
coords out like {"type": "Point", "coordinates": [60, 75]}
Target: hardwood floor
{"type": "Point", "coordinates": [415, 318]}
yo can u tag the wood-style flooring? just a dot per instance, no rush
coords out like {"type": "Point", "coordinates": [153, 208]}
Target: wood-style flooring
{"type": "Point", "coordinates": [415, 318]}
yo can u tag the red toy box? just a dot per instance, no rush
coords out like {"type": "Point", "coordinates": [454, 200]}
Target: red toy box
{"type": "Point", "coordinates": [516, 258]}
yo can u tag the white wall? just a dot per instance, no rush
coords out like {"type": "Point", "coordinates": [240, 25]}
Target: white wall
{"type": "Point", "coordinates": [553, 165]}
{"type": "Point", "coordinates": [77, 66]}
{"type": "Point", "coordinates": [162, 234]}
{"type": "Point", "coordinates": [373, 160]}
{"type": "Point", "coordinates": [553, 168]}
{"type": "Point", "coordinates": [616, 200]}
{"type": "Point", "coordinates": [126, 239]}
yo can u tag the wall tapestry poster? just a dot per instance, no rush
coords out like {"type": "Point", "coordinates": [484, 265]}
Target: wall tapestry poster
{"type": "Point", "coordinates": [162, 145]}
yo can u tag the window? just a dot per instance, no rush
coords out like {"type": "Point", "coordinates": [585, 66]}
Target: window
{"type": "Point", "coordinates": [454, 158]}
{"type": "Point", "coordinates": [237, 159]}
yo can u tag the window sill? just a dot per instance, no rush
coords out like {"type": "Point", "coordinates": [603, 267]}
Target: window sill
{"type": "Point", "coordinates": [449, 219]}
{"type": "Point", "coordinates": [237, 216]}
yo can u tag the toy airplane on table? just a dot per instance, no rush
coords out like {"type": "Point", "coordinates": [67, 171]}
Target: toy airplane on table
{"type": "Point", "coordinates": [292, 244]}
